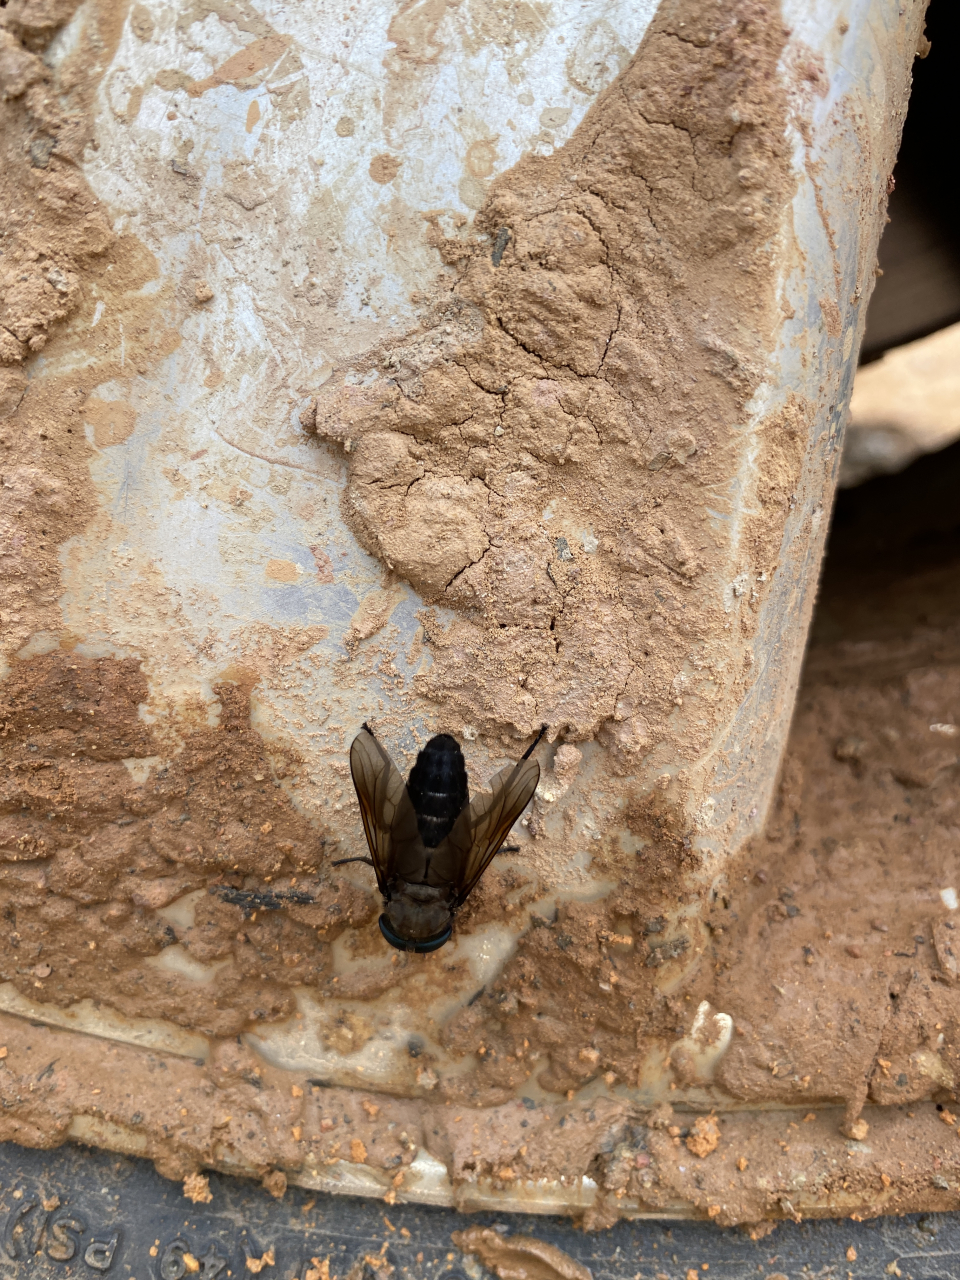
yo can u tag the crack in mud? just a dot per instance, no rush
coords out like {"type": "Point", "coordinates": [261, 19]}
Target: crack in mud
{"type": "Point", "coordinates": [586, 394]}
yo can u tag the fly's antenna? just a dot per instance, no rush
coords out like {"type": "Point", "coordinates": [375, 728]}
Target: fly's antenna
{"type": "Point", "coordinates": [529, 750]}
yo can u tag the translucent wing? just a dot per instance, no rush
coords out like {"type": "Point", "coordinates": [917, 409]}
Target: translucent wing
{"type": "Point", "coordinates": [484, 825]}
{"type": "Point", "coordinates": [389, 820]}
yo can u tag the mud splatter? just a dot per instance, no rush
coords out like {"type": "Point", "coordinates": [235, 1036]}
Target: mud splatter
{"type": "Point", "coordinates": [89, 855]}
{"type": "Point", "coordinates": [539, 455]}
{"type": "Point", "coordinates": [519, 1257]}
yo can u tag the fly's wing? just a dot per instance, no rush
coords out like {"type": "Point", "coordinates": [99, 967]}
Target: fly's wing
{"type": "Point", "coordinates": [482, 827]}
{"type": "Point", "coordinates": [389, 820]}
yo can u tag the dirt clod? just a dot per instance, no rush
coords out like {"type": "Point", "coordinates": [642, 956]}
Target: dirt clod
{"type": "Point", "coordinates": [196, 1187]}
{"type": "Point", "coordinates": [705, 1137]}
{"type": "Point", "coordinates": [518, 1257]}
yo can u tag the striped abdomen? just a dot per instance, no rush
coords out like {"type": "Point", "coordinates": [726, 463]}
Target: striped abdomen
{"type": "Point", "coordinates": [438, 788]}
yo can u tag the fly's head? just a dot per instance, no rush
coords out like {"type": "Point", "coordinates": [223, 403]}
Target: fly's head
{"type": "Point", "coordinates": [417, 918]}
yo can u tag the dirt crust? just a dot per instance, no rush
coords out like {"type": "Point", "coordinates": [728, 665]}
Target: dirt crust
{"type": "Point", "coordinates": [538, 456]}
{"type": "Point", "coordinates": [588, 364]}
{"type": "Point", "coordinates": [830, 947]}
{"type": "Point", "coordinates": [107, 821]}
{"type": "Point", "coordinates": [89, 856]}
{"type": "Point", "coordinates": [58, 248]}
{"type": "Point", "coordinates": [519, 1257]}
{"type": "Point", "coordinates": [237, 1114]}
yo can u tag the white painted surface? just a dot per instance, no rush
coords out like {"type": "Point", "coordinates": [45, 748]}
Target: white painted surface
{"type": "Point", "coordinates": [203, 546]}
{"type": "Point", "coordinates": [254, 189]}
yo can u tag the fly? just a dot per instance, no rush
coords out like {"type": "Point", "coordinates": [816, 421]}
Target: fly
{"type": "Point", "coordinates": [429, 842]}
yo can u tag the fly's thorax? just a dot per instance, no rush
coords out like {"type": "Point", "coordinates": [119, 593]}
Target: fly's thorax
{"type": "Point", "coordinates": [418, 910]}
{"type": "Point", "coordinates": [424, 895]}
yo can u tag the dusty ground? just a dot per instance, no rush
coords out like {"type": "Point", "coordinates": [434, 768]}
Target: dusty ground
{"type": "Point", "coordinates": [835, 951]}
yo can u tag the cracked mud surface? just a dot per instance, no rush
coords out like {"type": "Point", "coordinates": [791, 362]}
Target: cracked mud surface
{"type": "Point", "coordinates": [540, 455]}
{"type": "Point", "coordinates": [586, 364]}
{"type": "Point", "coordinates": [110, 819]}
{"type": "Point", "coordinates": [834, 956]}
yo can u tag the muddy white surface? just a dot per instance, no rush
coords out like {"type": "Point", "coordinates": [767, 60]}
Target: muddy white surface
{"type": "Point", "coordinates": [321, 407]}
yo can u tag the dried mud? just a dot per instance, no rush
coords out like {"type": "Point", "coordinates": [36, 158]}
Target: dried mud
{"type": "Point", "coordinates": [58, 249]}
{"type": "Point", "coordinates": [831, 948]}
{"type": "Point", "coordinates": [588, 362]}
{"type": "Point", "coordinates": [538, 457]}
{"type": "Point", "coordinates": [658, 227]}
{"type": "Point", "coordinates": [89, 856]}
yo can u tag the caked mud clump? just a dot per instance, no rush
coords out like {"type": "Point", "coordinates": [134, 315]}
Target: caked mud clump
{"type": "Point", "coordinates": [89, 855]}
{"type": "Point", "coordinates": [540, 455]}
{"type": "Point", "coordinates": [56, 249]}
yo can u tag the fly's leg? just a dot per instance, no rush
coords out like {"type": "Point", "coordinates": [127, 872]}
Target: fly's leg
{"type": "Point", "coordinates": [529, 750]}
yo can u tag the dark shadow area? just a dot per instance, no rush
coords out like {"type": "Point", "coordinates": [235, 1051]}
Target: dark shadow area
{"type": "Point", "coordinates": [893, 556]}
{"type": "Point", "coordinates": [919, 291]}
